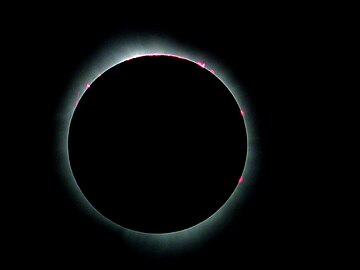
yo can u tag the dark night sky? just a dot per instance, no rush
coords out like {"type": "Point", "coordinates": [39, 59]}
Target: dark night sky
{"type": "Point", "coordinates": [269, 54]}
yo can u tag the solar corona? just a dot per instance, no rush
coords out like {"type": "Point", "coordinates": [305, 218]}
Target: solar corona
{"type": "Point", "coordinates": [179, 133]}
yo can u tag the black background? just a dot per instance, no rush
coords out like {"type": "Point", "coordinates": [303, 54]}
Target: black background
{"type": "Point", "coordinates": [275, 54]}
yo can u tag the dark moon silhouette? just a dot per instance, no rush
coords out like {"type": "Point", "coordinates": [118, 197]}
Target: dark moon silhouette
{"type": "Point", "coordinates": [157, 144]}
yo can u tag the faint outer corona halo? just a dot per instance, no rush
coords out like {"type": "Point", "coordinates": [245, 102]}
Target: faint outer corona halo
{"type": "Point", "coordinates": [116, 53]}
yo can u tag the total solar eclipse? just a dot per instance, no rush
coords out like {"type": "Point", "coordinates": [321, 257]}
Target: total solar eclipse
{"type": "Point", "coordinates": [157, 144]}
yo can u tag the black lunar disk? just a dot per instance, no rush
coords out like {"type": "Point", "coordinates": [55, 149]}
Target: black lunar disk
{"type": "Point", "coordinates": [157, 144]}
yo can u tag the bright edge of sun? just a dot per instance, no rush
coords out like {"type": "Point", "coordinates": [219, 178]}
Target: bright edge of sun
{"type": "Point", "coordinates": [112, 53]}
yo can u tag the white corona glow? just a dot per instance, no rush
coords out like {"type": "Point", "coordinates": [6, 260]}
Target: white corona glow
{"type": "Point", "coordinates": [114, 52]}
